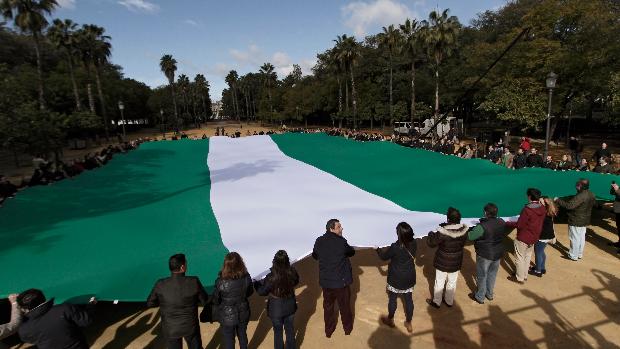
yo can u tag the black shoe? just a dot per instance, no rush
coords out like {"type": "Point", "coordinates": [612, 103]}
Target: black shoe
{"type": "Point", "coordinates": [432, 304]}
{"type": "Point", "coordinates": [448, 305]}
{"type": "Point", "coordinates": [473, 298]}
{"type": "Point", "coordinates": [544, 271]}
{"type": "Point", "coordinates": [489, 298]}
{"type": "Point", "coordinates": [535, 273]}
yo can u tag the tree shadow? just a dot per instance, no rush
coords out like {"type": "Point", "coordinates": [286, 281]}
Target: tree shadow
{"type": "Point", "coordinates": [558, 331]}
{"type": "Point", "coordinates": [448, 329]}
{"type": "Point", "coordinates": [502, 332]}
{"type": "Point", "coordinates": [384, 337]}
{"type": "Point", "coordinates": [242, 170]}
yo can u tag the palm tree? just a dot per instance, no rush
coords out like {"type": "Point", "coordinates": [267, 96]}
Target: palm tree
{"type": "Point", "coordinates": [96, 51]}
{"type": "Point", "coordinates": [29, 17]}
{"type": "Point", "coordinates": [341, 67]}
{"type": "Point", "coordinates": [232, 80]}
{"type": "Point", "coordinates": [269, 79]}
{"type": "Point", "coordinates": [348, 53]}
{"type": "Point", "coordinates": [202, 90]}
{"type": "Point", "coordinates": [63, 35]}
{"type": "Point", "coordinates": [411, 33]}
{"type": "Point", "coordinates": [439, 36]}
{"type": "Point", "coordinates": [391, 39]}
{"type": "Point", "coordinates": [168, 66]}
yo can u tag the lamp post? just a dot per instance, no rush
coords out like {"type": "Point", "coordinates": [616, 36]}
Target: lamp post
{"type": "Point", "coordinates": [121, 107]}
{"type": "Point", "coordinates": [551, 79]}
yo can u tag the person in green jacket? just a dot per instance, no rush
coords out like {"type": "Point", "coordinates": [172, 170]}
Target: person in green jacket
{"type": "Point", "coordinates": [579, 210]}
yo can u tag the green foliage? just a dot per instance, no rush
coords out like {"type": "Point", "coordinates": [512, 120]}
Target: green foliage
{"type": "Point", "coordinates": [518, 101]}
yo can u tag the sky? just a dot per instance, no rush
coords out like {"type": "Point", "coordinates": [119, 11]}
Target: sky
{"type": "Point", "coordinates": [212, 37]}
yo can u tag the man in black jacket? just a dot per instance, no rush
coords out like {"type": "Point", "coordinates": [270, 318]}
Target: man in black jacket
{"type": "Point", "coordinates": [489, 237]}
{"type": "Point", "coordinates": [178, 297]}
{"type": "Point", "coordinates": [335, 276]}
{"type": "Point", "coordinates": [50, 326]}
{"type": "Point", "coordinates": [534, 159]}
{"type": "Point", "coordinates": [520, 160]}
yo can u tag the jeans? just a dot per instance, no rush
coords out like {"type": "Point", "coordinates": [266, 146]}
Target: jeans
{"type": "Point", "coordinates": [408, 298]}
{"type": "Point", "coordinates": [445, 281]}
{"type": "Point", "coordinates": [287, 323]}
{"type": "Point", "coordinates": [240, 330]}
{"type": "Point", "coordinates": [539, 256]}
{"type": "Point", "coordinates": [343, 297]}
{"type": "Point", "coordinates": [577, 237]}
{"type": "Point", "coordinates": [193, 342]}
{"type": "Point", "coordinates": [486, 272]}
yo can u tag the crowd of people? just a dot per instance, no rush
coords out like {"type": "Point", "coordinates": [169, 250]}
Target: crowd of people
{"type": "Point", "coordinates": [38, 321]}
{"type": "Point", "coordinates": [47, 172]}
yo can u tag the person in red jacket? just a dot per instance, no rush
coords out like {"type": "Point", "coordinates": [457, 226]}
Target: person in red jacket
{"type": "Point", "coordinates": [525, 144]}
{"type": "Point", "coordinates": [529, 227]}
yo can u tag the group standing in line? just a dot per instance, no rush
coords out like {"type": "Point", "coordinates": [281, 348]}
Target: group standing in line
{"type": "Point", "coordinates": [178, 296]}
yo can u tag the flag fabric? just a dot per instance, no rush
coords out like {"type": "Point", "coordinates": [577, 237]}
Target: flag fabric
{"type": "Point", "coordinates": [109, 232]}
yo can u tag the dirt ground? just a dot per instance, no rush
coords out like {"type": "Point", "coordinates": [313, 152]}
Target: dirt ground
{"type": "Point", "coordinates": [575, 305]}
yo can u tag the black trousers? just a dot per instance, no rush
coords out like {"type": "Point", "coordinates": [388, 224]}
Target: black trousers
{"type": "Point", "coordinates": [408, 298]}
{"type": "Point", "coordinates": [342, 296]}
{"type": "Point", "coordinates": [193, 342]}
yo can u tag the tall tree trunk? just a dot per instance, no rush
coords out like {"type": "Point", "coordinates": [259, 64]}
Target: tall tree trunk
{"type": "Point", "coordinates": [353, 95]}
{"type": "Point", "coordinates": [102, 101]}
{"type": "Point", "coordinates": [339, 96]}
{"type": "Point", "coordinates": [91, 98]}
{"type": "Point", "coordinates": [391, 104]}
{"type": "Point", "coordinates": [174, 103]}
{"type": "Point", "coordinates": [346, 97]}
{"type": "Point", "coordinates": [412, 92]}
{"type": "Point", "coordinates": [436, 116]}
{"type": "Point", "coordinates": [39, 71]}
{"type": "Point", "coordinates": [76, 94]}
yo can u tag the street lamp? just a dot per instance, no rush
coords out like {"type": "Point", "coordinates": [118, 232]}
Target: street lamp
{"type": "Point", "coordinates": [121, 107]}
{"type": "Point", "coordinates": [551, 79]}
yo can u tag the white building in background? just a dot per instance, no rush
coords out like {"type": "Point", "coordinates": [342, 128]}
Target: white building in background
{"type": "Point", "coordinates": [216, 109]}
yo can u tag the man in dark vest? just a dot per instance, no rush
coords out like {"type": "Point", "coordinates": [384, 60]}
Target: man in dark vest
{"type": "Point", "coordinates": [488, 237]}
{"type": "Point", "coordinates": [178, 297]}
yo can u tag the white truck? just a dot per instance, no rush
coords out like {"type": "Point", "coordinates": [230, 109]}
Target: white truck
{"type": "Point", "coordinates": [443, 128]}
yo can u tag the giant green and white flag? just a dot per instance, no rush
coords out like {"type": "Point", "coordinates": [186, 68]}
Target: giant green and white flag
{"type": "Point", "coordinates": [109, 232]}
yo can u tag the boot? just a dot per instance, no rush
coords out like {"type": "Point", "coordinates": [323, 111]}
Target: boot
{"type": "Point", "coordinates": [408, 326]}
{"type": "Point", "coordinates": [387, 321]}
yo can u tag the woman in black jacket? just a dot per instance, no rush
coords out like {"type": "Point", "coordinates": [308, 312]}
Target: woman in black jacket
{"type": "Point", "coordinates": [547, 235]}
{"type": "Point", "coordinates": [232, 289]}
{"type": "Point", "coordinates": [401, 273]}
{"type": "Point", "coordinates": [279, 285]}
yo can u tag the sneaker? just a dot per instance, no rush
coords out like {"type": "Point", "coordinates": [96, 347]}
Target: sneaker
{"type": "Point", "coordinates": [388, 322]}
{"type": "Point", "coordinates": [432, 304]}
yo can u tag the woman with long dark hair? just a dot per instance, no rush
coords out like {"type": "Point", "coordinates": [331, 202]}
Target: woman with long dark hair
{"type": "Point", "coordinates": [547, 236]}
{"type": "Point", "coordinates": [232, 289]}
{"type": "Point", "coordinates": [401, 273]}
{"type": "Point", "coordinates": [279, 285]}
